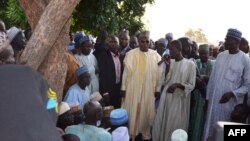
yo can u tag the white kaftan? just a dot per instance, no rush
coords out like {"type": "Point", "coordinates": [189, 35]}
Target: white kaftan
{"type": "Point", "coordinates": [230, 73]}
{"type": "Point", "coordinates": [173, 112]}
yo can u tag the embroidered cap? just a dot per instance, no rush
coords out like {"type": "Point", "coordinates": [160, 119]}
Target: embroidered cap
{"type": "Point", "coordinates": [204, 48]}
{"type": "Point", "coordinates": [234, 33]}
{"type": "Point", "coordinates": [118, 117]}
{"type": "Point", "coordinates": [81, 70]}
{"type": "Point", "coordinates": [163, 41]}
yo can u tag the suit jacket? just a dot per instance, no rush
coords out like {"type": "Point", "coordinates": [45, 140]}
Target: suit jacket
{"type": "Point", "coordinates": [107, 76]}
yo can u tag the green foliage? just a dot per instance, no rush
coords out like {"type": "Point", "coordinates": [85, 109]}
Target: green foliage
{"type": "Point", "coordinates": [112, 15]}
{"type": "Point", "coordinates": [197, 35]}
{"type": "Point", "coordinates": [90, 16]}
{"type": "Point", "coordinates": [13, 14]}
{"type": "Point", "coordinates": [3, 7]}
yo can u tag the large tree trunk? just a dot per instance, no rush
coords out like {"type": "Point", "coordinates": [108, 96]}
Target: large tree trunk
{"type": "Point", "coordinates": [33, 10]}
{"type": "Point", "coordinates": [46, 48]}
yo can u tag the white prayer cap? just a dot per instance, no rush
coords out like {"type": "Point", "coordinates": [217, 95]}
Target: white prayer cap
{"type": "Point", "coordinates": [64, 107]}
{"type": "Point", "coordinates": [120, 134]}
{"type": "Point", "coordinates": [12, 32]}
{"type": "Point", "coordinates": [179, 135]}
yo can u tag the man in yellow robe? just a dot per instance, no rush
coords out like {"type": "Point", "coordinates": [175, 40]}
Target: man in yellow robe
{"type": "Point", "coordinates": [140, 86]}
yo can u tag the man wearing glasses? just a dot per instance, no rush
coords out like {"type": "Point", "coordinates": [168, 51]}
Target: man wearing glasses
{"type": "Point", "coordinates": [140, 86]}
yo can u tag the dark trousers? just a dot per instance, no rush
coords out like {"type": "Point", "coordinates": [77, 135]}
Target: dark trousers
{"type": "Point", "coordinates": [115, 96]}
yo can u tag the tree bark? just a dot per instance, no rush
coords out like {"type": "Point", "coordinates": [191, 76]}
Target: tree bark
{"type": "Point", "coordinates": [46, 48]}
{"type": "Point", "coordinates": [54, 67]}
{"type": "Point", "coordinates": [33, 10]}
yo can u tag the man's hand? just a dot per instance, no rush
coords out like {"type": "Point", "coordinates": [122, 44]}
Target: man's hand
{"type": "Point", "coordinates": [226, 97]}
{"type": "Point", "coordinates": [172, 88]}
{"type": "Point", "coordinates": [106, 98]}
{"type": "Point", "coordinates": [199, 83]}
{"type": "Point", "coordinates": [157, 95]}
{"type": "Point", "coordinates": [167, 60]}
{"type": "Point", "coordinates": [123, 93]}
{"type": "Point", "coordinates": [205, 106]}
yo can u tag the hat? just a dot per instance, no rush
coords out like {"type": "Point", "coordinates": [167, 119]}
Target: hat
{"type": "Point", "coordinates": [78, 36]}
{"type": "Point", "coordinates": [81, 70]}
{"type": "Point", "coordinates": [234, 33]}
{"type": "Point", "coordinates": [71, 47]}
{"type": "Point", "coordinates": [163, 41]}
{"type": "Point", "coordinates": [120, 134]}
{"type": "Point", "coordinates": [86, 38]}
{"type": "Point", "coordinates": [179, 135]}
{"type": "Point", "coordinates": [144, 34]}
{"type": "Point", "coordinates": [64, 107]}
{"type": "Point", "coordinates": [12, 32]}
{"type": "Point", "coordinates": [123, 31]}
{"type": "Point", "coordinates": [118, 117]}
{"type": "Point", "coordinates": [203, 48]}
{"type": "Point", "coordinates": [169, 35]}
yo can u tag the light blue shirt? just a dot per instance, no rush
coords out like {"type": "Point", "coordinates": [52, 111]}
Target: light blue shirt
{"type": "Point", "coordinates": [89, 132]}
{"type": "Point", "coordinates": [76, 94]}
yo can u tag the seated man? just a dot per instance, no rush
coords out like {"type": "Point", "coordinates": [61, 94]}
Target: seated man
{"type": "Point", "coordinates": [90, 131]}
{"type": "Point", "coordinates": [79, 92]}
{"type": "Point", "coordinates": [119, 123]}
{"type": "Point", "coordinates": [65, 117]}
{"type": "Point", "coordinates": [70, 137]}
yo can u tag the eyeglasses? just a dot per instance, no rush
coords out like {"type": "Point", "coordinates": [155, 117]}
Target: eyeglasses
{"type": "Point", "coordinates": [142, 41]}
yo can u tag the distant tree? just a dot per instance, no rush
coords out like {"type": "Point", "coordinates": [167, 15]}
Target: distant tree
{"type": "Point", "coordinates": [197, 35]}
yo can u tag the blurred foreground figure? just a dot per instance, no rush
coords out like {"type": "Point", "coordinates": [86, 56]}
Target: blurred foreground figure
{"type": "Point", "coordinates": [28, 106]}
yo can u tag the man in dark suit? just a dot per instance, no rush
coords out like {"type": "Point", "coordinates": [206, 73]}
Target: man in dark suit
{"type": "Point", "coordinates": [110, 65]}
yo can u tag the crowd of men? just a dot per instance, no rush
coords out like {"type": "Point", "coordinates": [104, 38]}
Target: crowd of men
{"type": "Point", "coordinates": [122, 87]}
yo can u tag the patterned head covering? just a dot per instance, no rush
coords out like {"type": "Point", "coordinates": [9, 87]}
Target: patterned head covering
{"type": "Point", "coordinates": [163, 41]}
{"type": "Point", "coordinates": [234, 33]}
{"type": "Point", "coordinates": [78, 36]}
{"type": "Point", "coordinates": [81, 39]}
{"type": "Point", "coordinates": [81, 70]}
{"type": "Point", "coordinates": [204, 48]}
{"type": "Point", "coordinates": [86, 38]}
